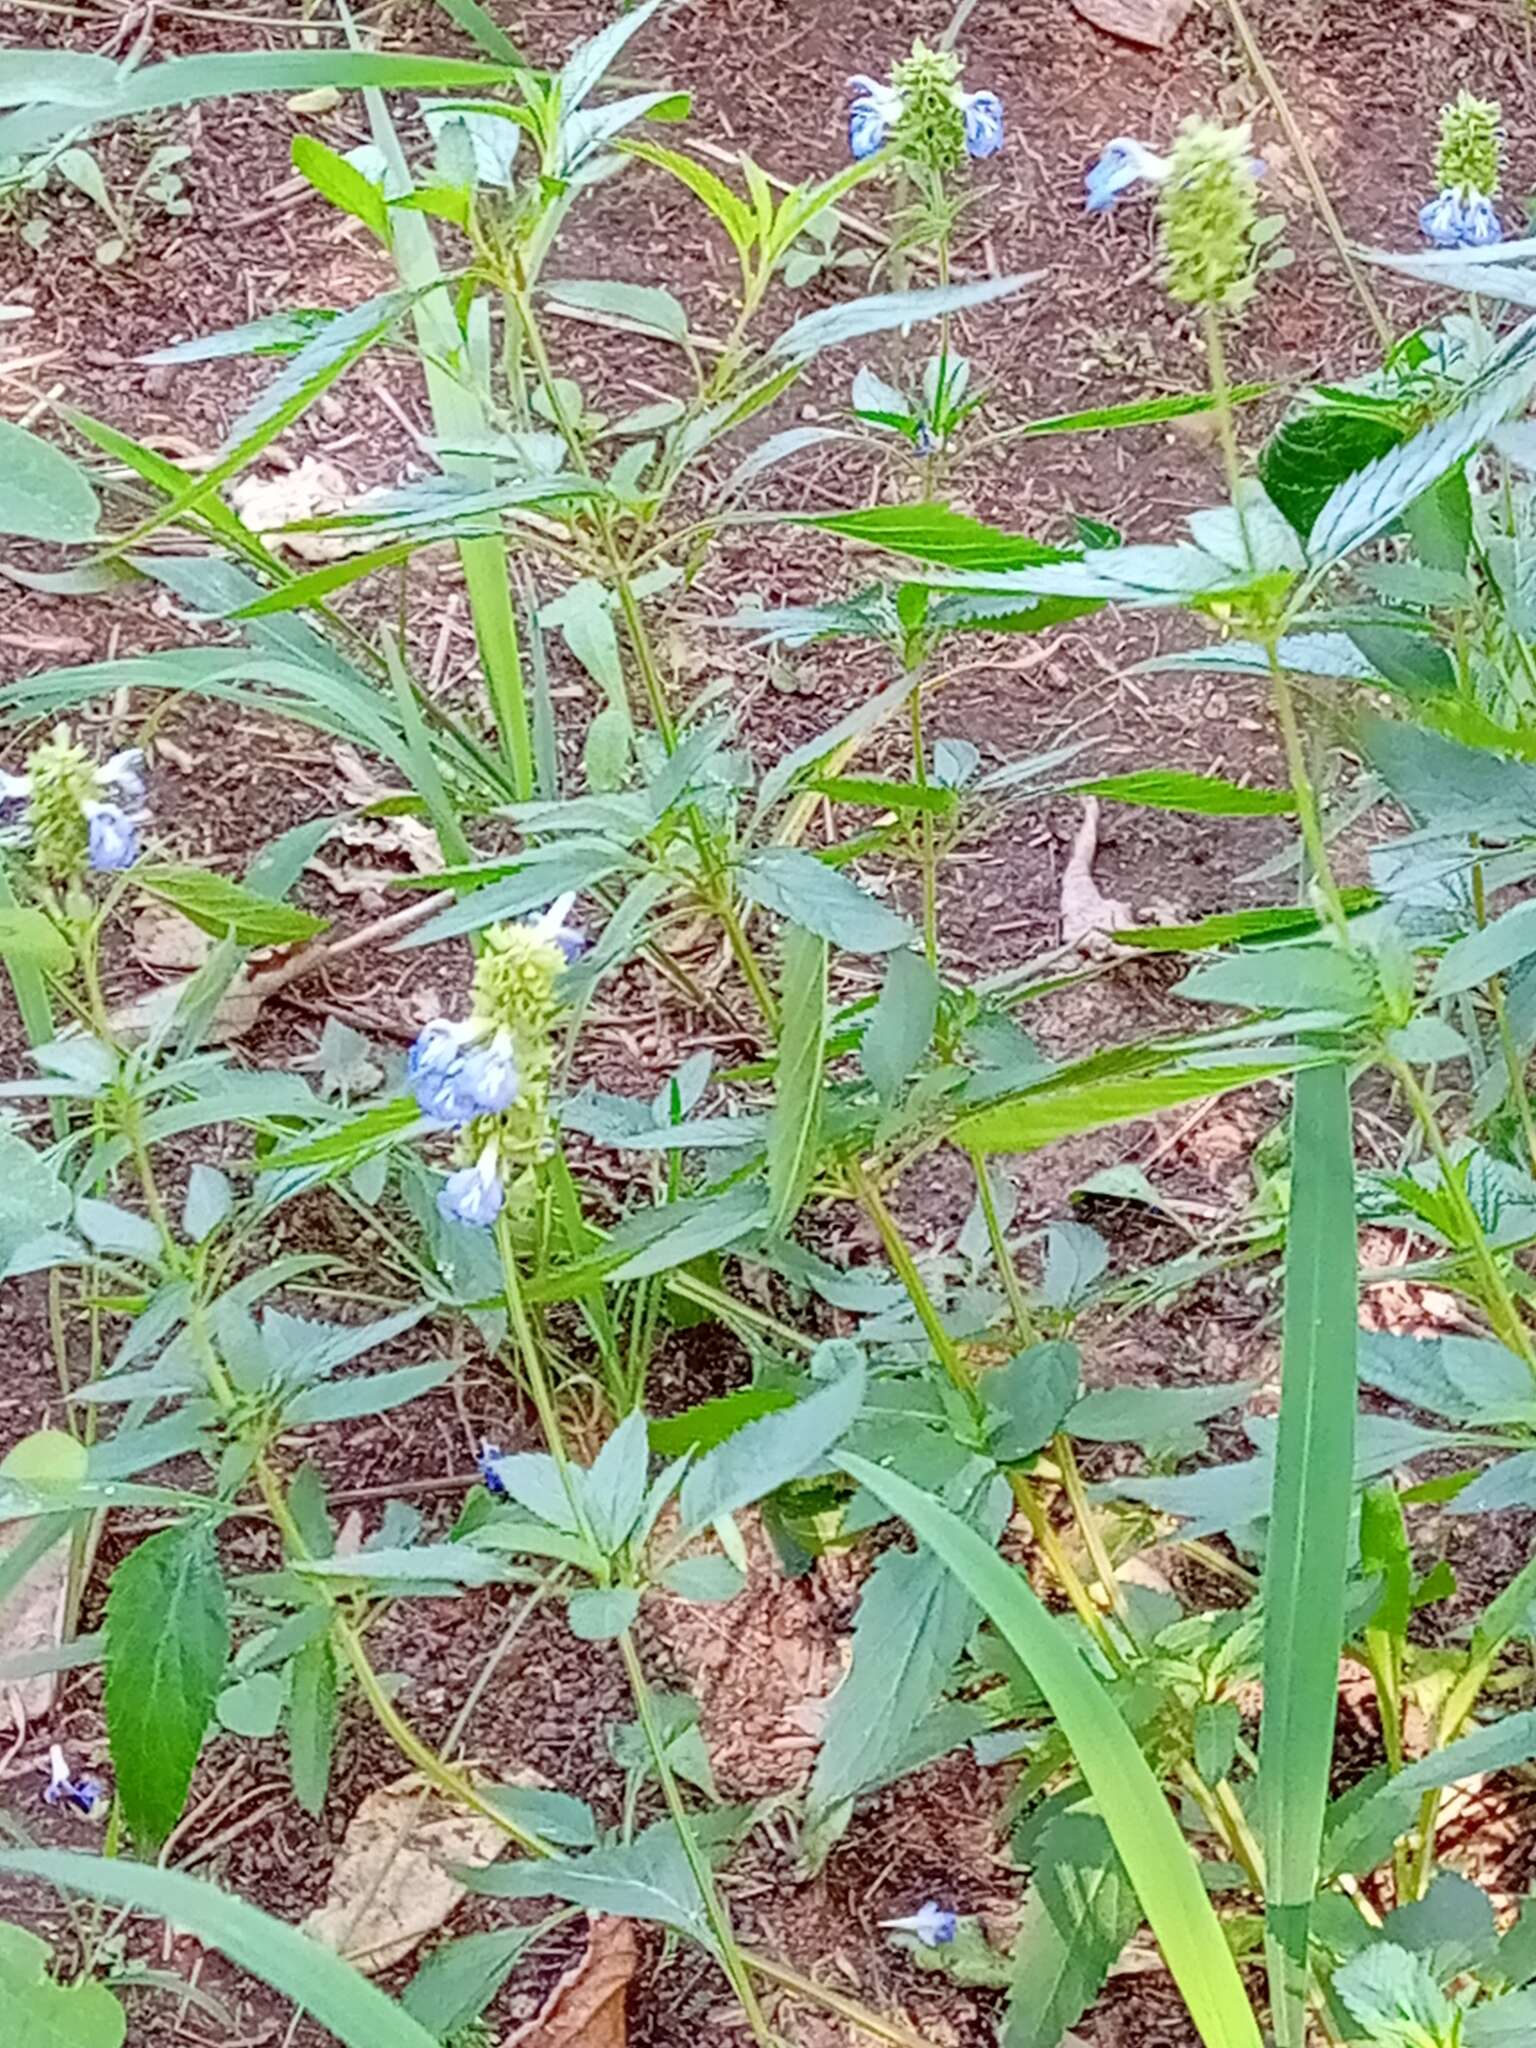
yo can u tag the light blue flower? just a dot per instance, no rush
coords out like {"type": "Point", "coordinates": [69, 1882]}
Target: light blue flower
{"type": "Point", "coordinates": [474, 1194]}
{"type": "Point", "coordinates": [485, 1081]}
{"type": "Point", "coordinates": [551, 925]}
{"type": "Point", "coordinates": [873, 112]}
{"type": "Point", "coordinates": [84, 1794]}
{"type": "Point", "coordinates": [433, 1067]}
{"type": "Point", "coordinates": [983, 122]}
{"type": "Point", "coordinates": [15, 794]}
{"type": "Point", "coordinates": [124, 774]}
{"type": "Point", "coordinates": [1480, 225]}
{"type": "Point", "coordinates": [1123, 164]}
{"type": "Point", "coordinates": [933, 1924]}
{"type": "Point", "coordinates": [1440, 219]}
{"type": "Point", "coordinates": [485, 1465]}
{"type": "Point", "coordinates": [114, 838]}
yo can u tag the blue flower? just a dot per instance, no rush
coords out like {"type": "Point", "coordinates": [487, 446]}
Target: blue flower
{"type": "Point", "coordinates": [485, 1082]}
{"type": "Point", "coordinates": [925, 440]}
{"type": "Point", "coordinates": [1441, 222]}
{"type": "Point", "coordinates": [1480, 225]}
{"type": "Point", "coordinates": [433, 1068]}
{"type": "Point", "coordinates": [873, 112]}
{"type": "Point", "coordinates": [474, 1194]}
{"type": "Point", "coordinates": [485, 1465]}
{"type": "Point", "coordinates": [1124, 163]}
{"type": "Point", "coordinates": [933, 1924]}
{"type": "Point", "coordinates": [553, 927]}
{"type": "Point", "coordinates": [1460, 218]}
{"type": "Point", "coordinates": [15, 795]}
{"type": "Point", "coordinates": [114, 838]}
{"type": "Point", "coordinates": [983, 122]}
{"type": "Point", "coordinates": [84, 1794]}
{"type": "Point", "coordinates": [124, 773]}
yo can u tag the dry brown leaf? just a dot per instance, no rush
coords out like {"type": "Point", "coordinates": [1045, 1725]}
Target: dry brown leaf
{"type": "Point", "coordinates": [1152, 23]}
{"type": "Point", "coordinates": [311, 491]}
{"type": "Point", "coordinates": [237, 1010]}
{"type": "Point", "coordinates": [163, 938]}
{"type": "Point", "coordinates": [391, 1886]}
{"type": "Point", "coordinates": [589, 2007]}
{"type": "Point", "coordinates": [31, 1620]}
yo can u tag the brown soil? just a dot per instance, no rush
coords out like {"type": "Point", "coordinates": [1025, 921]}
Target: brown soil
{"type": "Point", "coordinates": [767, 76]}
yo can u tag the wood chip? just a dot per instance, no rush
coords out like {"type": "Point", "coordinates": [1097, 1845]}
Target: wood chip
{"type": "Point", "coordinates": [1152, 23]}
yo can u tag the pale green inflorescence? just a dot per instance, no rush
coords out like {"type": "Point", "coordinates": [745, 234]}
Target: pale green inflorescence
{"type": "Point", "coordinates": [516, 989]}
{"type": "Point", "coordinates": [930, 133]}
{"type": "Point", "coordinates": [1207, 206]}
{"type": "Point", "coordinates": [1470, 155]}
{"type": "Point", "coordinates": [63, 781]}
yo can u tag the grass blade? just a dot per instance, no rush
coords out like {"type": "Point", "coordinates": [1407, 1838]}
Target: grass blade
{"type": "Point", "coordinates": [317, 1980]}
{"type": "Point", "coordinates": [1157, 1859]}
{"type": "Point", "coordinates": [1308, 1529]}
{"type": "Point", "coordinates": [796, 1121]}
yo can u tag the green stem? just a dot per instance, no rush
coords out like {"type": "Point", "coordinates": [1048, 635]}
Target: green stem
{"type": "Point", "coordinates": [531, 1357]}
{"type": "Point", "coordinates": [1023, 1323]}
{"type": "Point", "coordinates": [729, 1954]}
{"type": "Point", "coordinates": [1498, 1300]}
{"type": "Point", "coordinates": [927, 848]}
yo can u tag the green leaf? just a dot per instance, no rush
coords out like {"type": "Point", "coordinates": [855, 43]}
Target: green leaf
{"type": "Point", "coordinates": [43, 495]}
{"type": "Point", "coordinates": [1393, 1995]}
{"type": "Point", "coordinates": [933, 533]}
{"type": "Point", "coordinates": [690, 1229]}
{"type": "Point", "coordinates": [822, 900]}
{"type": "Point", "coordinates": [768, 1453]}
{"type": "Point", "coordinates": [252, 1707]}
{"type": "Point", "coordinates": [30, 937]}
{"type": "Point", "coordinates": [478, 25]}
{"type": "Point", "coordinates": [110, 1228]}
{"type": "Point", "coordinates": [1208, 796]}
{"type": "Point", "coordinates": [434, 1564]}
{"type": "Point", "coordinates": [559, 1817]}
{"type": "Point", "coordinates": [834, 325]}
{"type": "Point", "coordinates": [900, 1027]}
{"type": "Point", "coordinates": [1030, 1398]}
{"type": "Point", "coordinates": [37, 2012]}
{"type": "Point", "coordinates": [167, 1646]}
{"type": "Point", "coordinates": [600, 1614]}
{"type": "Point", "coordinates": [224, 74]}
{"type": "Point", "coordinates": [1465, 1379]}
{"type": "Point", "coordinates": [733, 214]}
{"type": "Point", "coordinates": [1140, 1822]}
{"type": "Point", "coordinates": [1313, 452]}
{"type": "Point", "coordinates": [342, 183]}
{"type": "Point", "coordinates": [1308, 1551]}
{"type": "Point", "coordinates": [1319, 977]}
{"type": "Point", "coordinates": [316, 1980]}
{"type": "Point", "coordinates": [613, 1488]}
{"type": "Point", "coordinates": [1370, 501]}
{"type": "Point", "coordinates": [1079, 1914]}
{"type": "Point", "coordinates": [709, 1423]}
{"type": "Point", "coordinates": [1217, 1726]}
{"type": "Point", "coordinates": [1046, 1114]}
{"type": "Point", "coordinates": [1493, 949]}
{"type": "Point", "coordinates": [367, 1394]}
{"type": "Point", "coordinates": [217, 905]}
{"type": "Point", "coordinates": [645, 306]}
{"type": "Point", "coordinates": [209, 1200]}
{"type": "Point", "coordinates": [913, 1621]}
{"type": "Point", "coordinates": [457, 1982]}
{"type": "Point", "coordinates": [795, 1123]}
{"type": "Point", "coordinates": [312, 1722]}
{"type": "Point", "coordinates": [646, 1879]}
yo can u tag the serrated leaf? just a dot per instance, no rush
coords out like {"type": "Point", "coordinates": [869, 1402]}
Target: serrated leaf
{"type": "Point", "coordinates": [934, 533]}
{"type": "Point", "coordinates": [1285, 976]}
{"type": "Point", "coordinates": [1046, 1114]}
{"type": "Point", "coordinates": [217, 905]}
{"type": "Point", "coordinates": [167, 1645]}
{"type": "Point", "coordinates": [795, 1123]}
{"type": "Point", "coordinates": [342, 183]}
{"type": "Point", "coordinates": [768, 1453]}
{"type": "Point", "coordinates": [312, 1722]}
{"type": "Point", "coordinates": [1315, 450]}
{"type": "Point", "coordinates": [646, 306]}
{"type": "Point", "coordinates": [822, 900]}
{"type": "Point", "coordinates": [900, 1027]}
{"type": "Point", "coordinates": [1170, 789]}
{"type": "Point", "coordinates": [884, 310]}
{"type": "Point", "coordinates": [457, 1982]}
{"type": "Point", "coordinates": [1030, 1398]}
{"type": "Point", "coordinates": [1078, 1915]}
{"type": "Point", "coordinates": [209, 1200]}
{"type": "Point", "coordinates": [646, 1879]}
{"type": "Point", "coordinates": [1493, 949]}
{"type": "Point", "coordinates": [366, 1394]}
{"type": "Point", "coordinates": [601, 1613]}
